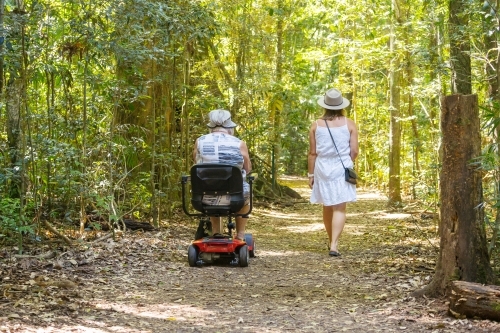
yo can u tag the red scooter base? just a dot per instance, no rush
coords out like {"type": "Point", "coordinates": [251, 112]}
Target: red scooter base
{"type": "Point", "coordinates": [217, 245]}
{"type": "Point", "coordinates": [211, 249]}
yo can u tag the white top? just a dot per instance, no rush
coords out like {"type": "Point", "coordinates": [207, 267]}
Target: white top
{"type": "Point", "coordinates": [221, 148]}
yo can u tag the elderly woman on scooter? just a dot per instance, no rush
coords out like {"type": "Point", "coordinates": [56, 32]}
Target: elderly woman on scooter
{"type": "Point", "coordinates": [221, 146]}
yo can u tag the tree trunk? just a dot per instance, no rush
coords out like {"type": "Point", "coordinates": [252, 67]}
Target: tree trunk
{"type": "Point", "coordinates": [416, 139]}
{"type": "Point", "coordinates": [394, 107]}
{"type": "Point", "coordinates": [2, 41]}
{"type": "Point", "coordinates": [276, 107]}
{"type": "Point", "coordinates": [83, 202]}
{"type": "Point", "coordinates": [153, 176]}
{"type": "Point", "coordinates": [474, 300]}
{"type": "Point", "coordinates": [463, 252]}
{"type": "Point", "coordinates": [14, 103]}
{"type": "Point", "coordinates": [459, 47]}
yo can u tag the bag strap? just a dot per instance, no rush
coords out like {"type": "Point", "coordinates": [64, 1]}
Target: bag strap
{"type": "Point", "coordinates": [331, 136]}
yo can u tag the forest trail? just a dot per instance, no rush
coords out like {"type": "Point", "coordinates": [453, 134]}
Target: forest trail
{"type": "Point", "coordinates": [142, 282]}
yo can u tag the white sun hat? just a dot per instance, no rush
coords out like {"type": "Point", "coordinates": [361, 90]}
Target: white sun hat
{"type": "Point", "coordinates": [333, 100]}
{"type": "Point", "coordinates": [220, 118]}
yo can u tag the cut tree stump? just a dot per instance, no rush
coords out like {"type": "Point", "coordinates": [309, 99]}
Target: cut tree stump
{"type": "Point", "coordinates": [471, 300]}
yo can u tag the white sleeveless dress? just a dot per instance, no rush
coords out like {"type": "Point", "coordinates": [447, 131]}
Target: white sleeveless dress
{"type": "Point", "coordinates": [330, 187]}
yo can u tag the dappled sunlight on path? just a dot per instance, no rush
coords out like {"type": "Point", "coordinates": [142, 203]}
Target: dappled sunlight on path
{"type": "Point", "coordinates": [304, 228]}
{"type": "Point", "coordinates": [159, 311]}
{"type": "Point", "coordinates": [279, 215]}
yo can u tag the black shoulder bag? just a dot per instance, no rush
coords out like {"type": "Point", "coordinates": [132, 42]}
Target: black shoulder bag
{"type": "Point", "coordinates": [350, 174]}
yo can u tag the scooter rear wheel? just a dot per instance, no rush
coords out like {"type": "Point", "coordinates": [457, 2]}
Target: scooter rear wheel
{"type": "Point", "coordinates": [251, 244]}
{"type": "Point", "coordinates": [243, 256]}
{"type": "Point", "coordinates": [192, 255]}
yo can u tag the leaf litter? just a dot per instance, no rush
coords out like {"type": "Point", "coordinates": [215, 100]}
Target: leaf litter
{"type": "Point", "coordinates": [142, 282]}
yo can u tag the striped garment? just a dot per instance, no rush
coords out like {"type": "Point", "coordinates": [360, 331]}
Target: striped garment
{"type": "Point", "coordinates": [222, 148]}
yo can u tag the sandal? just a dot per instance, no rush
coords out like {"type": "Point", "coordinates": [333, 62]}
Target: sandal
{"type": "Point", "coordinates": [334, 254]}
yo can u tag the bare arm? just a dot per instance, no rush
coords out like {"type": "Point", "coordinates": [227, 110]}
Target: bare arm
{"type": "Point", "coordinates": [311, 157]}
{"type": "Point", "coordinates": [353, 143]}
{"type": "Point", "coordinates": [247, 164]}
{"type": "Point", "coordinates": [195, 150]}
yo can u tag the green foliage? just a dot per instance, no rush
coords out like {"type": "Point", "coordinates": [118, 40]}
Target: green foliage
{"type": "Point", "coordinates": [13, 220]}
{"type": "Point", "coordinates": [116, 92]}
{"type": "Point", "coordinates": [488, 164]}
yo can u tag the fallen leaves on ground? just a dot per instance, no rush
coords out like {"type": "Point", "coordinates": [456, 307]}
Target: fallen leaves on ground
{"type": "Point", "coordinates": [141, 282]}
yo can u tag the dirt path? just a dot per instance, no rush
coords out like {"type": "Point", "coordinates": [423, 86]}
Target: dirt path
{"type": "Point", "coordinates": [142, 282]}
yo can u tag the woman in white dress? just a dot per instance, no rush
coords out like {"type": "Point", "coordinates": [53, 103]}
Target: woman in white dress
{"type": "Point", "coordinates": [325, 170]}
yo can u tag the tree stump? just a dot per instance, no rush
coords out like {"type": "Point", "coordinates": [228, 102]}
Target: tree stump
{"type": "Point", "coordinates": [463, 252]}
{"type": "Point", "coordinates": [468, 299]}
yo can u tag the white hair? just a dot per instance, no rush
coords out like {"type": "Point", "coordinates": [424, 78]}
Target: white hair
{"type": "Point", "coordinates": [229, 131]}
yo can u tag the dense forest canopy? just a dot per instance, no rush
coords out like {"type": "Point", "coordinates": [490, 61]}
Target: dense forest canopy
{"type": "Point", "coordinates": [101, 101]}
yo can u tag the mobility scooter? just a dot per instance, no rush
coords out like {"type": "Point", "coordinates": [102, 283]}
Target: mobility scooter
{"type": "Point", "coordinates": [224, 182]}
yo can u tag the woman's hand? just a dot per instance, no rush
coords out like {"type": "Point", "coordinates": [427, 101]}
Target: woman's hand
{"type": "Point", "coordinates": [311, 182]}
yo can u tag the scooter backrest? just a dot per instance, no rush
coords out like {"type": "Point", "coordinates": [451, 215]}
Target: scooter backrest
{"type": "Point", "coordinates": [216, 179]}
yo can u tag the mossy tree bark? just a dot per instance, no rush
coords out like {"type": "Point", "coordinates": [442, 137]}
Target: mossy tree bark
{"type": "Point", "coordinates": [463, 251]}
